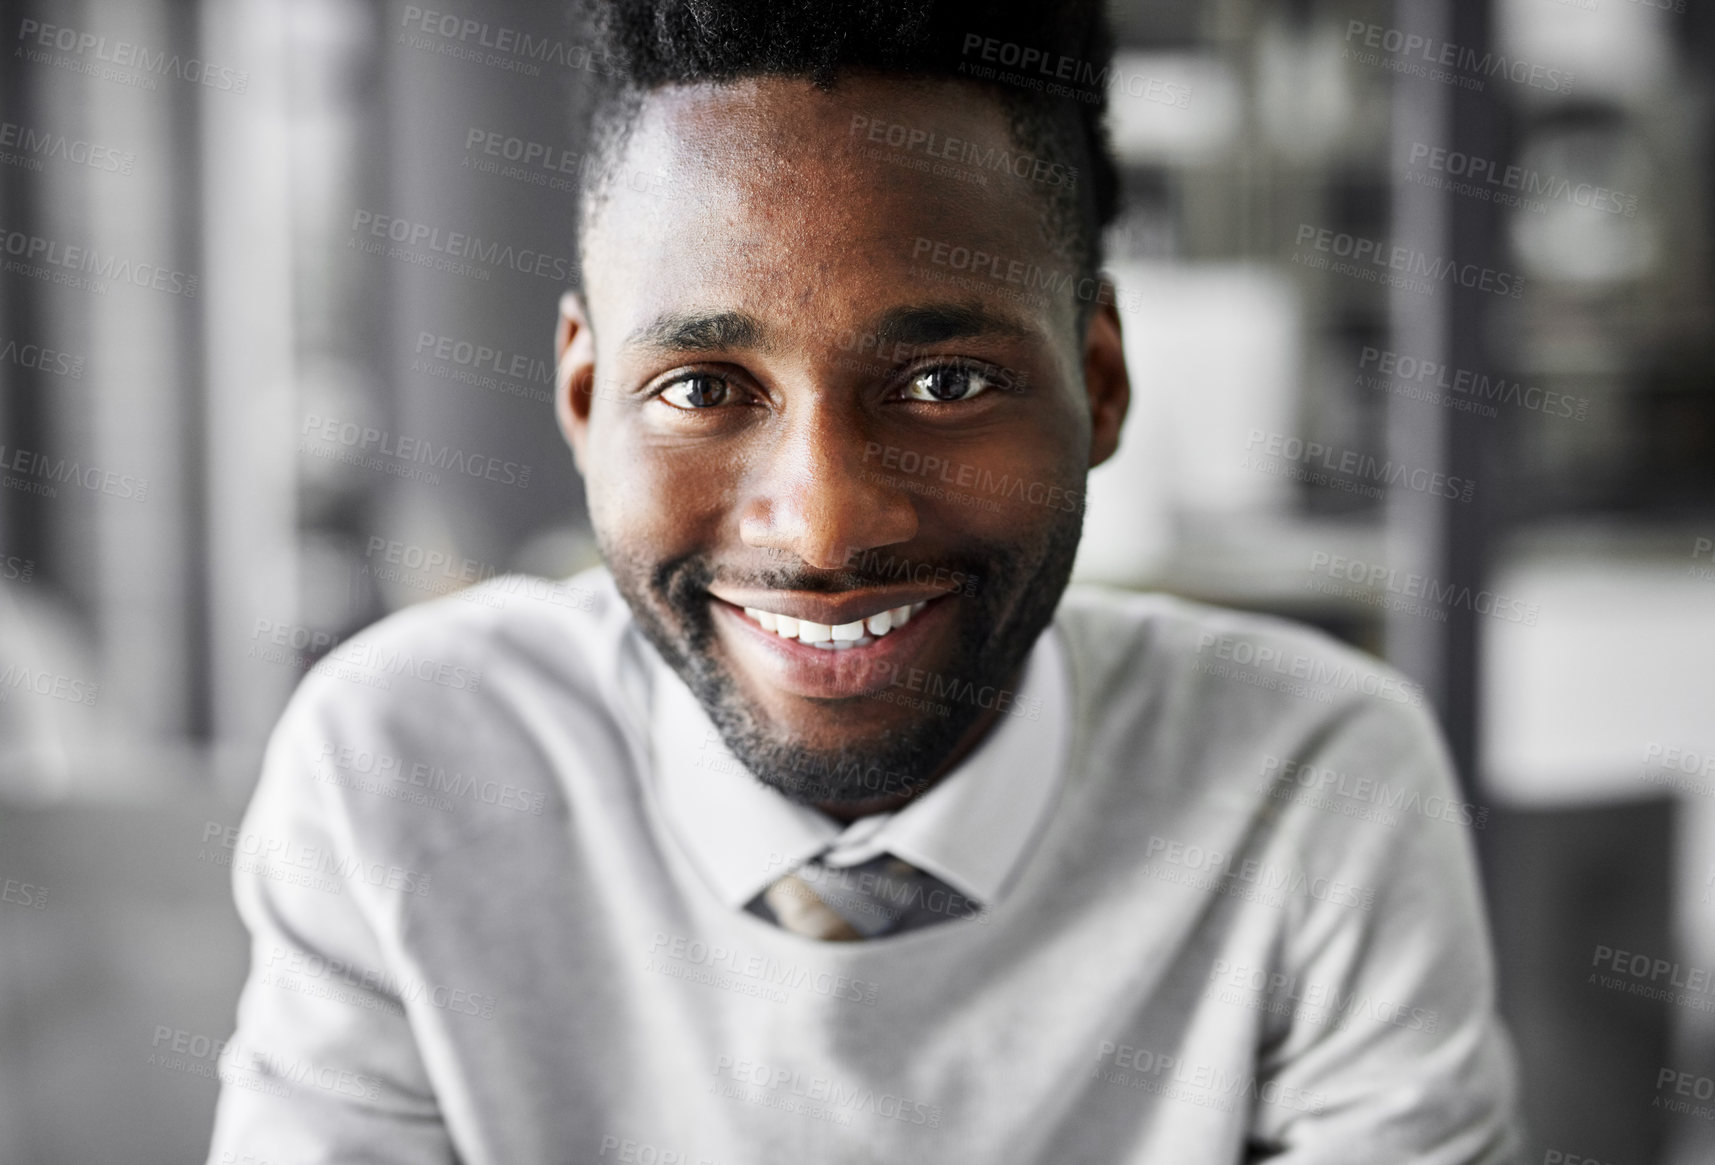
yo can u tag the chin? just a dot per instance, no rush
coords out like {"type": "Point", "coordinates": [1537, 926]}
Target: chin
{"type": "Point", "coordinates": [884, 743]}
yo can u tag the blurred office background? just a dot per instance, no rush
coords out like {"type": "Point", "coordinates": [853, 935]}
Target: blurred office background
{"type": "Point", "coordinates": [179, 540]}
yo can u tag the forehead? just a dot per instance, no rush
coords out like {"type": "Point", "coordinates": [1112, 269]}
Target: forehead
{"type": "Point", "coordinates": [775, 197]}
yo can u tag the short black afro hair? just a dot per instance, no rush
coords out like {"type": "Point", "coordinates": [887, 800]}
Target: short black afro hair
{"type": "Point", "coordinates": [651, 44]}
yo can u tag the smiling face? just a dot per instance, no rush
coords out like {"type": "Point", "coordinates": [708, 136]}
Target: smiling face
{"type": "Point", "coordinates": [834, 461]}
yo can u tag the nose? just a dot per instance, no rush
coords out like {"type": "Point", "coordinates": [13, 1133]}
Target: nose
{"type": "Point", "coordinates": [819, 496]}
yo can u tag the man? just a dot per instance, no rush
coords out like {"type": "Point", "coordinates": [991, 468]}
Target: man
{"type": "Point", "coordinates": [820, 826]}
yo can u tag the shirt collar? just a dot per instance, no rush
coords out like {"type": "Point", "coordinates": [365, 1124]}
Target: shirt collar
{"type": "Point", "coordinates": [972, 830]}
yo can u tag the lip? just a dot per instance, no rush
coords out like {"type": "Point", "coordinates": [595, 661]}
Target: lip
{"type": "Point", "coordinates": [812, 672]}
{"type": "Point", "coordinates": [820, 607]}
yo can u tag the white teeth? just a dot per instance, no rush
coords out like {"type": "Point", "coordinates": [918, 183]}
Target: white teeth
{"type": "Point", "coordinates": [843, 644]}
{"type": "Point", "coordinates": [857, 633]}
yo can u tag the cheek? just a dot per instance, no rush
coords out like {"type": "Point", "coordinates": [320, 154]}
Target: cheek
{"type": "Point", "coordinates": [1017, 480]}
{"type": "Point", "coordinates": [1036, 490]}
{"type": "Point", "coordinates": [648, 498]}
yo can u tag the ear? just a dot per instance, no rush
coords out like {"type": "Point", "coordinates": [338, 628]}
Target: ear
{"type": "Point", "coordinates": [574, 374]}
{"type": "Point", "coordinates": [1105, 376]}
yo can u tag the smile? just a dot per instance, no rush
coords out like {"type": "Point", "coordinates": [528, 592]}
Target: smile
{"type": "Point", "coordinates": [832, 645]}
{"type": "Point", "coordinates": [835, 636]}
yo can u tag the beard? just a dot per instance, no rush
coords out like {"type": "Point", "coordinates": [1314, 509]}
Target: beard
{"type": "Point", "coordinates": [1019, 589]}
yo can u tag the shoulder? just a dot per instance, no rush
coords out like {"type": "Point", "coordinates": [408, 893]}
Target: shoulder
{"type": "Point", "coordinates": [564, 632]}
{"type": "Point", "coordinates": [1209, 692]}
{"type": "Point", "coordinates": [1234, 743]}
{"type": "Point", "coordinates": [1118, 636]}
{"type": "Point", "coordinates": [443, 717]}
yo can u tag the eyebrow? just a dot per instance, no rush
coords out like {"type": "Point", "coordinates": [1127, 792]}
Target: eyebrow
{"type": "Point", "coordinates": [916, 324]}
{"type": "Point", "coordinates": [700, 332]}
{"type": "Point", "coordinates": [935, 323]}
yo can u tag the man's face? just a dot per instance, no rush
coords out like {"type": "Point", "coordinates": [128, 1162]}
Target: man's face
{"type": "Point", "coordinates": [793, 390]}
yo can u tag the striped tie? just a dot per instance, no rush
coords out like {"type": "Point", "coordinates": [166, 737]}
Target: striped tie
{"type": "Point", "coordinates": [884, 895]}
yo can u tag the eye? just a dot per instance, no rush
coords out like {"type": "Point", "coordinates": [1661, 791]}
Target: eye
{"type": "Point", "coordinates": [700, 390]}
{"type": "Point", "coordinates": [949, 382]}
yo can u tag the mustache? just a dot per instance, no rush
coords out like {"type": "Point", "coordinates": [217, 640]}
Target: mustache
{"type": "Point", "coordinates": [683, 580]}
